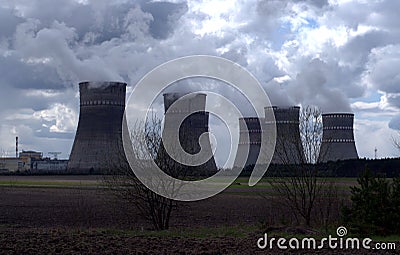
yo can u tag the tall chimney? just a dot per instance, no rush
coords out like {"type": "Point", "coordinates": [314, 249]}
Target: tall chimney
{"type": "Point", "coordinates": [16, 147]}
{"type": "Point", "coordinates": [338, 137]}
{"type": "Point", "coordinates": [98, 142]}
{"type": "Point", "coordinates": [249, 142]}
{"type": "Point", "coordinates": [190, 130]}
{"type": "Point", "coordinates": [288, 148]}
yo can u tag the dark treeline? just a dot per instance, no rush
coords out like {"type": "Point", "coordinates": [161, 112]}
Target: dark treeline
{"type": "Point", "coordinates": [389, 168]}
{"type": "Point", "coordinates": [347, 168]}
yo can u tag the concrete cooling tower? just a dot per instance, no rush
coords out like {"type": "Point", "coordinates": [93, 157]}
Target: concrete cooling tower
{"type": "Point", "coordinates": [338, 137]}
{"type": "Point", "coordinates": [288, 148]}
{"type": "Point", "coordinates": [98, 141]}
{"type": "Point", "coordinates": [249, 142]}
{"type": "Point", "coordinates": [190, 131]}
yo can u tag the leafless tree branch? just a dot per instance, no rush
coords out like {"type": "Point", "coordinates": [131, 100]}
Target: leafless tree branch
{"type": "Point", "coordinates": [146, 141]}
{"type": "Point", "coordinates": [300, 185]}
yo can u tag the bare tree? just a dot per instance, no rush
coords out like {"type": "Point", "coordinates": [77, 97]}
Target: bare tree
{"type": "Point", "coordinates": [146, 142]}
{"type": "Point", "coordinates": [298, 179]}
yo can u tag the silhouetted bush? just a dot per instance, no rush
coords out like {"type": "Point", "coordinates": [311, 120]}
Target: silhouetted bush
{"type": "Point", "coordinates": [375, 206]}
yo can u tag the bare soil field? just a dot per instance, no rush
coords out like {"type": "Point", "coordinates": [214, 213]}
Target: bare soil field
{"type": "Point", "coordinates": [89, 220]}
{"type": "Point", "coordinates": [96, 208]}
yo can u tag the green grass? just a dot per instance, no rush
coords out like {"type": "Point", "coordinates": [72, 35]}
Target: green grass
{"type": "Point", "coordinates": [240, 184]}
{"type": "Point", "coordinates": [238, 231]}
{"type": "Point", "coordinates": [267, 179]}
{"type": "Point", "coordinates": [23, 183]}
{"type": "Point", "coordinates": [394, 238]}
{"type": "Point", "coordinates": [243, 185]}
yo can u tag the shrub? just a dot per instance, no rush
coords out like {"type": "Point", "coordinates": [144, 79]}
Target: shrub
{"type": "Point", "coordinates": [375, 206]}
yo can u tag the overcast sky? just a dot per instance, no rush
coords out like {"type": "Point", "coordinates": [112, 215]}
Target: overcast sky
{"type": "Point", "coordinates": [340, 55]}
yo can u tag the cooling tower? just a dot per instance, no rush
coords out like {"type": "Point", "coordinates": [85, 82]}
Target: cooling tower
{"type": "Point", "coordinates": [192, 127]}
{"type": "Point", "coordinates": [249, 142]}
{"type": "Point", "coordinates": [288, 148]}
{"type": "Point", "coordinates": [338, 137]}
{"type": "Point", "coordinates": [98, 142]}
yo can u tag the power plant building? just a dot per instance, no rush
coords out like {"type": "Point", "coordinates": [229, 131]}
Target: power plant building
{"type": "Point", "coordinates": [13, 164]}
{"type": "Point", "coordinates": [98, 143]}
{"type": "Point", "coordinates": [189, 112]}
{"type": "Point", "coordinates": [288, 148]}
{"type": "Point", "coordinates": [338, 137]}
{"type": "Point", "coordinates": [48, 165]}
{"type": "Point", "coordinates": [32, 162]}
{"type": "Point", "coordinates": [249, 142]}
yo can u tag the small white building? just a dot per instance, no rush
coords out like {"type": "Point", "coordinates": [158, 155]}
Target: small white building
{"type": "Point", "coordinates": [14, 164]}
{"type": "Point", "coordinates": [49, 165]}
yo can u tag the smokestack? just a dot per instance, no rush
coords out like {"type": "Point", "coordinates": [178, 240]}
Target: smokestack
{"type": "Point", "coordinates": [338, 137]}
{"type": "Point", "coordinates": [249, 142]}
{"type": "Point", "coordinates": [16, 147]}
{"type": "Point", "coordinates": [190, 130]}
{"type": "Point", "coordinates": [288, 148]}
{"type": "Point", "coordinates": [98, 141]}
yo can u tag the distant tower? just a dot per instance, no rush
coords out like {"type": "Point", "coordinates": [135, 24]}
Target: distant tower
{"type": "Point", "coordinates": [288, 148]}
{"type": "Point", "coordinates": [190, 130]}
{"type": "Point", "coordinates": [249, 142]}
{"type": "Point", "coordinates": [98, 142]}
{"type": "Point", "coordinates": [338, 137]}
{"type": "Point", "coordinates": [16, 147]}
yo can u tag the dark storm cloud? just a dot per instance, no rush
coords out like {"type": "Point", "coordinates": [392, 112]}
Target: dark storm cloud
{"type": "Point", "coordinates": [13, 99]}
{"type": "Point", "coordinates": [383, 71]}
{"type": "Point", "coordinates": [22, 75]}
{"type": "Point", "coordinates": [264, 18]}
{"type": "Point", "coordinates": [45, 50]}
{"type": "Point", "coordinates": [385, 15]}
{"type": "Point", "coordinates": [165, 16]}
{"type": "Point", "coordinates": [8, 22]}
{"type": "Point", "coordinates": [394, 100]}
{"type": "Point", "coordinates": [315, 85]}
{"type": "Point", "coordinates": [357, 50]}
{"type": "Point", "coordinates": [100, 21]}
{"type": "Point", "coordinates": [328, 53]}
{"type": "Point", "coordinates": [318, 3]}
{"type": "Point", "coordinates": [81, 17]}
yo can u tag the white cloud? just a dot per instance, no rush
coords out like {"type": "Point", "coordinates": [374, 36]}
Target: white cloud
{"type": "Point", "coordinates": [371, 134]}
{"type": "Point", "coordinates": [382, 69]}
{"type": "Point", "coordinates": [64, 119]}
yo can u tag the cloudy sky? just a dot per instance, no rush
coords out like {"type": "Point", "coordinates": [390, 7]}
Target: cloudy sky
{"type": "Point", "coordinates": [341, 55]}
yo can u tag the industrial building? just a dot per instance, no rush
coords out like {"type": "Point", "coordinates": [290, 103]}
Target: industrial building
{"type": "Point", "coordinates": [289, 147]}
{"type": "Point", "coordinates": [22, 161]}
{"type": "Point", "coordinates": [98, 143]}
{"type": "Point", "coordinates": [249, 142]}
{"type": "Point", "coordinates": [192, 127]}
{"type": "Point", "coordinates": [47, 165]}
{"type": "Point", "coordinates": [338, 137]}
{"type": "Point", "coordinates": [337, 141]}
{"type": "Point", "coordinates": [32, 162]}
{"type": "Point", "coordinates": [13, 164]}
{"type": "Point", "coordinates": [31, 155]}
